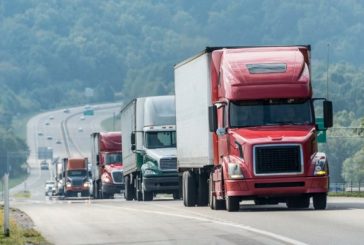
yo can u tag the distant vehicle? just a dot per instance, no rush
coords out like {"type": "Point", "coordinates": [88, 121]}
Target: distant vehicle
{"type": "Point", "coordinates": [49, 137]}
{"type": "Point", "coordinates": [47, 123]}
{"type": "Point", "coordinates": [76, 177]}
{"type": "Point", "coordinates": [51, 117]}
{"type": "Point", "coordinates": [80, 129]}
{"type": "Point", "coordinates": [88, 110]}
{"type": "Point", "coordinates": [66, 110]}
{"type": "Point", "coordinates": [50, 188]}
{"type": "Point", "coordinates": [44, 165]}
{"type": "Point", "coordinates": [58, 142]}
{"type": "Point", "coordinates": [40, 134]}
{"type": "Point", "coordinates": [82, 117]}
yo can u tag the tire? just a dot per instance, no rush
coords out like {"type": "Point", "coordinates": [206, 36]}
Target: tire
{"type": "Point", "coordinates": [129, 193]}
{"type": "Point", "coordinates": [189, 195]}
{"type": "Point", "coordinates": [232, 203]}
{"type": "Point", "coordinates": [203, 190]}
{"type": "Point", "coordinates": [298, 202]}
{"type": "Point", "coordinates": [320, 201]}
{"type": "Point", "coordinates": [176, 195]}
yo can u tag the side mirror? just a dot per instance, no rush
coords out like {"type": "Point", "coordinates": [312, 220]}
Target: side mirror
{"type": "Point", "coordinates": [213, 118]}
{"type": "Point", "coordinates": [328, 114]}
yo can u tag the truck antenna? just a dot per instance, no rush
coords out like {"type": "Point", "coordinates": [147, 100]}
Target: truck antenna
{"type": "Point", "coordinates": [327, 70]}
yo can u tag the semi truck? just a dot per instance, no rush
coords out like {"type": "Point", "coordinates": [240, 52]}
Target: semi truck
{"type": "Point", "coordinates": [246, 128]}
{"type": "Point", "coordinates": [76, 179]}
{"type": "Point", "coordinates": [149, 148]}
{"type": "Point", "coordinates": [106, 164]}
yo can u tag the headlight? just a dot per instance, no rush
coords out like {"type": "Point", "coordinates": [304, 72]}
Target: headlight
{"type": "Point", "coordinates": [320, 168]}
{"type": "Point", "coordinates": [234, 171]}
{"type": "Point", "coordinates": [149, 172]}
{"type": "Point", "coordinates": [106, 178]}
{"type": "Point", "coordinates": [68, 184]}
{"type": "Point", "coordinates": [86, 184]}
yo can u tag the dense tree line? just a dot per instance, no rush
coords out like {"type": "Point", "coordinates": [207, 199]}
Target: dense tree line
{"type": "Point", "coordinates": [51, 51]}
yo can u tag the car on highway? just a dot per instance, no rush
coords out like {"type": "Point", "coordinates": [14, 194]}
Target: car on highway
{"type": "Point", "coordinates": [50, 187]}
{"type": "Point", "coordinates": [49, 137]}
{"type": "Point", "coordinates": [47, 123]}
{"type": "Point", "coordinates": [82, 117]}
{"type": "Point", "coordinates": [51, 117]}
{"type": "Point", "coordinates": [66, 110]}
{"type": "Point", "coordinates": [40, 134]}
{"type": "Point", "coordinates": [44, 165]}
{"type": "Point", "coordinates": [58, 142]}
{"type": "Point", "coordinates": [80, 129]}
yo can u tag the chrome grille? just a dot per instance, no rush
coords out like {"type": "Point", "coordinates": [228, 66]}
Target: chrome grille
{"type": "Point", "coordinates": [117, 177]}
{"type": "Point", "coordinates": [277, 159]}
{"type": "Point", "coordinates": [77, 182]}
{"type": "Point", "coordinates": [168, 163]}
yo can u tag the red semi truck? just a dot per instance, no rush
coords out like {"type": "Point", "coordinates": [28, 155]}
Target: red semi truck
{"type": "Point", "coordinates": [246, 128]}
{"type": "Point", "coordinates": [106, 164]}
{"type": "Point", "coordinates": [76, 177]}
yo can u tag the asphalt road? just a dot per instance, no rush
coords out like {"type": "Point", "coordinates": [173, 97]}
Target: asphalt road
{"type": "Point", "coordinates": [166, 221]}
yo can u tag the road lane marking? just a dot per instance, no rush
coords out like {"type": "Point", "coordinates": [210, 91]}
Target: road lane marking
{"type": "Point", "coordinates": [225, 223]}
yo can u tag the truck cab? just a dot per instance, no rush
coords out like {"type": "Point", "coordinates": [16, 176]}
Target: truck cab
{"type": "Point", "coordinates": [106, 164]}
{"type": "Point", "coordinates": [76, 177]}
{"type": "Point", "coordinates": [149, 136]}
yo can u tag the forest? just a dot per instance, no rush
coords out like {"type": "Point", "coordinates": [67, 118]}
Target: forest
{"type": "Point", "coordinates": [52, 52]}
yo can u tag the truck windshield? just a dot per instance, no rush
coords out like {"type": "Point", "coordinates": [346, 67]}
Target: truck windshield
{"type": "Point", "coordinates": [112, 158]}
{"type": "Point", "coordinates": [76, 173]}
{"type": "Point", "coordinates": [163, 139]}
{"type": "Point", "coordinates": [270, 112]}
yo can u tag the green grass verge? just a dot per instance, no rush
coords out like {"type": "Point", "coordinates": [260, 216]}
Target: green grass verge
{"type": "Point", "coordinates": [111, 124]}
{"type": "Point", "coordinates": [23, 194]}
{"type": "Point", "coordinates": [346, 194]}
{"type": "Point", "coordinates": [14, 181]}
{"type": "Point", "coordinates": [18, 235]}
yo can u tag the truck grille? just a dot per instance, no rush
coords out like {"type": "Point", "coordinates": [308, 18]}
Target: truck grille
{"type": "Point", "coordinates": [77, 182]}
{"type": "Point", "coordinates": [277, 159]}
{"type": "Point", "coordinates": [168, 163]}
{"type": "Point", "coordinates": [117, 177]}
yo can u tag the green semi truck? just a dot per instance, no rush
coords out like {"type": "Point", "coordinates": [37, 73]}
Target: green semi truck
{"type": "Point", "coordinates": [149, 148]}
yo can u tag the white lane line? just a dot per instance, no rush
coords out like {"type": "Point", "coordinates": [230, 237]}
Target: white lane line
{"type": "Point", "coordinates": [225, 223]}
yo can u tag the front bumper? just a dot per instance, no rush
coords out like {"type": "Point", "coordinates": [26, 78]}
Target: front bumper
{"type": "Point", "coordinates": [112, 188]}
{"type": "Point", "coordinates": [275, 187]}
{"type": "Point", "coordinates": [74, 190]}
{"type": "Point", "coordinates": [165, 184]}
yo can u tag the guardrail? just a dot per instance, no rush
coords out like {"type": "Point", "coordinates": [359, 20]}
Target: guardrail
{"type": "Point", "coordinates": [347, 187]}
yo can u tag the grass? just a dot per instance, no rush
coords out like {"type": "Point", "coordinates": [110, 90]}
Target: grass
{"type": "Point", "coordinates": [14, 181]}
{"type": "Point", "coordinates": [23, 194]}
{"type": "Point", "coordinates": [346, 194]}
{"type": "Point", "coordinates": [18, 235]}
{"type": "Point", "coordinates": [110, 125]}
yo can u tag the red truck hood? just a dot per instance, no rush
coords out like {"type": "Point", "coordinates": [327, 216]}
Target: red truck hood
{"type": "Point", "coordinates": [269, 134]}
{"type": "Point", "coordinates": [116, 166]}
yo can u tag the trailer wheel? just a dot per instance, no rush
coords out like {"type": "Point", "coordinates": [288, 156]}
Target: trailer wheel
{"type": "Point", "coordinates": [232, 203]}
{"type": "Point", "coordinates": [319, 201]}
{"type": "Point", "coordinates": [189, 187]}
{"type": "Point", "coordinates": [128, 194]}
{"type": "Point", "coordinates": [203, 190]}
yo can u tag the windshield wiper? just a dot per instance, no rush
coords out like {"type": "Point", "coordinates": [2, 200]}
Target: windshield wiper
{"type": "Point", "coordinates": [284, 123]}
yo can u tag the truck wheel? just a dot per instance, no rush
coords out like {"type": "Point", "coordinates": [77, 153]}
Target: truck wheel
{"type": "Point", "coordinates": [319, 201]}
{"type": "Point", "coordinates": [176, 195]}
{"type": "Point", "coordinates": [189, 187]}
{"type": "Point", "coordinates": [232, 203]}
{"type": "Point", "coordinates": [129, 193]}
{"type": "Point", "coordinates": [147, 196]}
{"type": "Point", "coordinates": [298, 202]}
{"type": "Point", "coordinates": [203, 190]}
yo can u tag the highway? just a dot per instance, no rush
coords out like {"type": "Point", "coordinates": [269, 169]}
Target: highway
{"type": "Point", "coordinates": [165, 221]}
